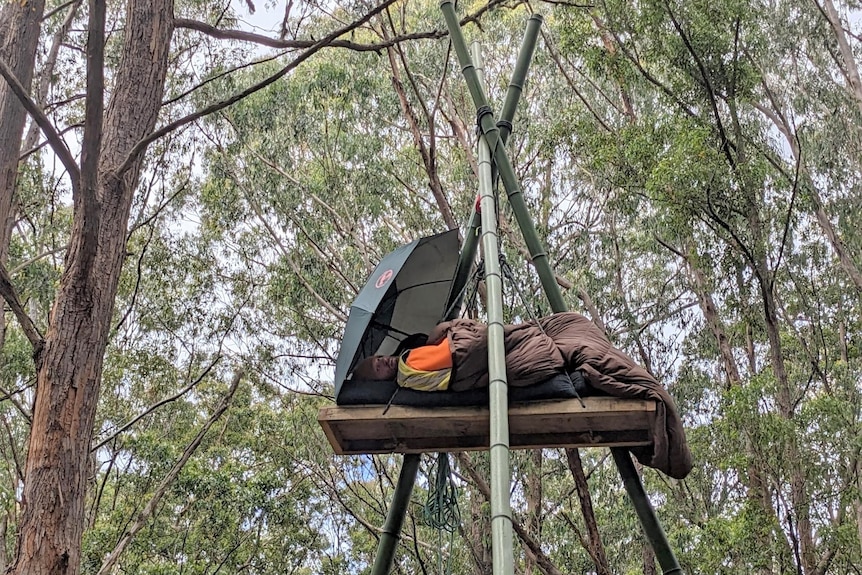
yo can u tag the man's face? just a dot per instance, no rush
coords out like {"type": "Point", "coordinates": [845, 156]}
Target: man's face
{"type": "Point", "coordinates": [384, 366]}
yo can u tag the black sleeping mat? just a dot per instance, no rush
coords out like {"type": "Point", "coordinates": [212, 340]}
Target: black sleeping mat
{"type": "Point", "coordinates": [359, 392]}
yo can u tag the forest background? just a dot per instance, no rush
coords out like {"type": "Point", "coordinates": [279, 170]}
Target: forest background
{"type": "Point", "coordinates": [190, 206]}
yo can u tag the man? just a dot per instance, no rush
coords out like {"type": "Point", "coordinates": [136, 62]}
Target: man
{"type": "Point", "coordinates": [456, 359]}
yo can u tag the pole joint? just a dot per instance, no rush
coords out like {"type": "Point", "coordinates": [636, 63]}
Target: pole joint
{"type": "Point", "coordinates": [481, 112]}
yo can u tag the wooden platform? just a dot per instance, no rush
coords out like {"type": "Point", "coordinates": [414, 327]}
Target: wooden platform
{"type": "Point", "coordinates": [606, 421]}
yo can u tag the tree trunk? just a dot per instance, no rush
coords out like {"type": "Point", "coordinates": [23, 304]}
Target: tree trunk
{"type": "Point", "coordinates": [648, 556]}
{"type": "Point", "coordinates": [68, 379]}
{"type": "Point", "coordinates": [533, 494]}
{"type": "Point", "coordinates": [45, 80]}
{"type": "Point", "coordinates": [19, 37]}
{"type": "Point", "coordinates": [529, 542]}
{"type": "Point", "coordinates": [710, 313]}
{"type": "Point", "coordinates": [596, 549]}
{"type": "Point", "coordinates": [479, 537]}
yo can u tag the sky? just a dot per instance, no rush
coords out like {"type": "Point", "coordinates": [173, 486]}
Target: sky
{"type": "Point", "coordinates": [265, 20]}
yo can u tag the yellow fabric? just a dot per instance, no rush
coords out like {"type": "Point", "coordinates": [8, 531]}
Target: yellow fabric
{"type": "Point", "coordinates": [426, 379]}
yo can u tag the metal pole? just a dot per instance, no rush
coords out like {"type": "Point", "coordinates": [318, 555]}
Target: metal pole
{"type": "Point", "coordinates": [513, 96]}
{"type": "Point", "coordinates": [465, 263]}
{"type": "Point", "coordinates": [501, 511]}
{"type": "Point", "coordinates": [654, 532]}
{"type": "Point", "coordinates": [491, 134]}
{"type": "Point", "coordinates": [395, 516]}
{"type": "Point", "coordinates": [519, 76]}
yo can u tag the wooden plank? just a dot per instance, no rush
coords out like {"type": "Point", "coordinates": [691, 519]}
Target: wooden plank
{"type": "Point", "coordinates": [602, 421]}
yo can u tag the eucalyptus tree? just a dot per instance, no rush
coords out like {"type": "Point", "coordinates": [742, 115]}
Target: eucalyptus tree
{"type": "Point", "coordinates": [713, 187]}
{"type": "Point", "coordinates": [69, 358]}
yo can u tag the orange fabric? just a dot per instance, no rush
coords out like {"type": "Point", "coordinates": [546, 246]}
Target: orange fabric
{"type": "Point", "coordinates": [431, 357]}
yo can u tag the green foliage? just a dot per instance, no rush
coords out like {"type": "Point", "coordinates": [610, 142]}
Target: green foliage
{"type": "Point", "coordinates": [673, 154]}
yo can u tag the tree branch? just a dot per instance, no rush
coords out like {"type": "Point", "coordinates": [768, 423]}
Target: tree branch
{"type": "Point", "coordinates": [10, 395]}
{"type": "Point", "coordinates": [47, 72]}
{"type": "Point", "coordinates": [793, 193]}
{"type": "Point", "coordinates": [94, 102]}
{"type": "Point", "coordinates": [555, 57]}
{"type": "Point", "coordinates": [636, 62]}
{"type": "Point", "coordinates": [542, 560]}
{"type": "Point", "coordinates": [7, 291]}
{"type": "Point", "coordinates": [94, 106]}
{"type": "Point", "coordinates": [150, 508]}
{"type": "Point", "coordinates": [215, 77]}
{"type": "Point", "coordinates": [157, 405]}
{"type": "Point", "coordinates": [707, 84]}
{"type": "Point", "coordinates": [36, 147]}
{"type": "Point", "coordinates": [285, 253]}
{"type": "Point", "coordinates": [56, 142]}
{"type": "Point", "coordinates": [243, 36]}
{"type": "Point", "coordinates": [426, 151]}
{"type": "Point", "coordinates": [36, 258]}
{"type": "Point", "coordinates": [594, 545]}
{"type": "Point", "coordinates": [139, 148]}
{"type": "Point", "coordinates": [59, 8]}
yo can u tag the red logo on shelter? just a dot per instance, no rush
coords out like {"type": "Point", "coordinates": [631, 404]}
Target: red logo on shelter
{"type": "Point", "coordinates": [383, 279]}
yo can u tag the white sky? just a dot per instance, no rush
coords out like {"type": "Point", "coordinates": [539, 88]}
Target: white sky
{"type": "Point", "coordinates": [265, 20]}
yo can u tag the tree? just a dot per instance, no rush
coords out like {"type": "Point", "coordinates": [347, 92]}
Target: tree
{"type": "Point", "coordinates": [69, 360]}
{"type": "Point", "coordinates": [692, 167]}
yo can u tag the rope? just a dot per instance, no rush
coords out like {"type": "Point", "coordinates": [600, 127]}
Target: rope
{"type": "Point", "coordinates": [441, 510]}
{"type": "Point", "coordinates": [471, 284]}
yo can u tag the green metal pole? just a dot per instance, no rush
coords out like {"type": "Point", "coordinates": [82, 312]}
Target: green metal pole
{"type": "Point", "coordinates": [652, 528]}
{"type": "Point", "coordinates": [513, 96]}
{"type": "Point", "coordinates": [462, 270]}
{"type": "Point", "coordinates": [395, 516]}
{"type": "Point", "coordinates": [519, 76]}
{"type": "Point", "coordinates": [501, 510]}
{"type": "Point", "coordinates": [491, 134]}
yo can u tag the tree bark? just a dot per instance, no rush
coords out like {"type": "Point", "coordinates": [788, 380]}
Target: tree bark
{"type": "Point", "coordinates": [477, 535]}
{"type": "Point", "coordinates": [69, 377]}
{"type": "Point", "coordinates": [20, 23]}
{"type": "Point", "coordinates": [596, 549]}
{"type": "Point", "coordinates": [47, 73]}
{"type": "Point", "coordinates": [533, 489]}
{"type": "Point", "coordinates": [19, 36]}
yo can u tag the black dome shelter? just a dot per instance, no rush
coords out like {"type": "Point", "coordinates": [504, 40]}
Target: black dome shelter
{"type": "Point", "coordinates": [405, 294]}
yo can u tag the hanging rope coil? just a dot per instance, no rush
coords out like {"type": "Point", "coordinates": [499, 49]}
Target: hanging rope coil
{"type": "Point", "coordinates": [441, 508]}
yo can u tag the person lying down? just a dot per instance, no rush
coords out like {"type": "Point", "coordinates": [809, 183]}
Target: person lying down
{"type": "Point", "coordinates": [455, 358]}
